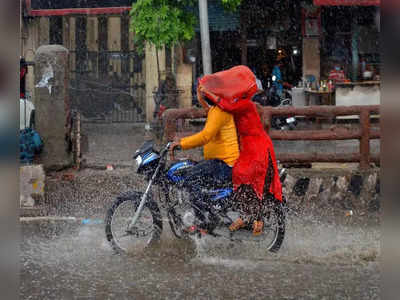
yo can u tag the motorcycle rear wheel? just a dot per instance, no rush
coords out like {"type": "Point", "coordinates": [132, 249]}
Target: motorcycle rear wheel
{"type": "Point", "coordinates": [275, 221]}
{"type": "Point", "coordinates": [273, 232]}
{"type": "Point", "coordinates": [146, 230]}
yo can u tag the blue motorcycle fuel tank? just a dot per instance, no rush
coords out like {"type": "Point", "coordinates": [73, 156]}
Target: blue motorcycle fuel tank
{"type": "Point", "coordinates": [175, 171]}
{"type": "Point", "coordinates": [176, 175]}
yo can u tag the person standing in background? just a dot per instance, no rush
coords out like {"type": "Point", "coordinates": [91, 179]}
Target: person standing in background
{"type": "Point", "coordinates": [277, 76]}
{"type": "Point", "coordinates": [337, 74]}
{"type": "Point", "coordinates": [265, 76]}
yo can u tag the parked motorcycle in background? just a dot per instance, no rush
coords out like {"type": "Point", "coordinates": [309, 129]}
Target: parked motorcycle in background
{"type": "Point", "coordinates": [270, 97]}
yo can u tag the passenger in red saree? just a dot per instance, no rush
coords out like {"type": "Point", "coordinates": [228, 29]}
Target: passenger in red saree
{"type": "Point", "coordinates": [256, 167]}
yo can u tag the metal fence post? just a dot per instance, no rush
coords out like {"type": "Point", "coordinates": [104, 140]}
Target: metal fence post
{"type": "Point", "coordinates": [364, 141]}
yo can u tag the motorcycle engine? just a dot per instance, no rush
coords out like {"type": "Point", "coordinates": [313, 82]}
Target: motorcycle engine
{"type": "Point", "coordinates": [188, 218]}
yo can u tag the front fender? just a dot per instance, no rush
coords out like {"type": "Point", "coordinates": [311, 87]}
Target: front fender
{"type": "Point", "coordinates": [134, 195]}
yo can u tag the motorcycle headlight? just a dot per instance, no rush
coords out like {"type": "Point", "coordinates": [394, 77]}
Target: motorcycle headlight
{"type": "Point", "coordinates": [139, 161]}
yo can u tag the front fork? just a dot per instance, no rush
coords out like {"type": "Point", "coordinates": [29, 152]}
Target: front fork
{"type": "Point", "coordinates": [145, 194]}
{"type": "Point", "coordinates": [143, 199]}
{"type": "Point", "coordinates": [141, 205]}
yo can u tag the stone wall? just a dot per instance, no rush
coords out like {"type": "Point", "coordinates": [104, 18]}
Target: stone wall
{"type": "Point", "coordinates": [341, 190]}
{"type": "Point", "coordinates": [323, 193]}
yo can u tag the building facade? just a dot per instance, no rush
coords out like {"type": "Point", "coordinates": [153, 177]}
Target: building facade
{"type": "Point", "coordinates": [109, 80]}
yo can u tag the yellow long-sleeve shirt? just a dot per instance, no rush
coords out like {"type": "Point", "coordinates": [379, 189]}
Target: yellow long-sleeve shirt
{"type": "Point", "coordinates": [218, 137]}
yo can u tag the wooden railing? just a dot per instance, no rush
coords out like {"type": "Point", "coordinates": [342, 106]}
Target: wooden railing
{"type": "Point", "coordinates": [364, 132]}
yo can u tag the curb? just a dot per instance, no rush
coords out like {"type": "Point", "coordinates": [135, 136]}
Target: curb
{"type": "Point", "coordinates": [47, 219]}
{"type": "Point", "coordinates": [104, 167]}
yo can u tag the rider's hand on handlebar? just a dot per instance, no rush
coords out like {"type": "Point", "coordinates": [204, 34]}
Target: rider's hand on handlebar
{"type": "Point", "coordinates": [175, 145]}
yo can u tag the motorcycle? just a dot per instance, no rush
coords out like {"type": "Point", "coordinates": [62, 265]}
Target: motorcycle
{"type": "Point", "coordinates": [271, 98]}
{"type": "Point", "coordinates": [135, 217]}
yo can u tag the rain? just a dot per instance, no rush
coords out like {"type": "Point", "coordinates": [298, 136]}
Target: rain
{"type": "Point", "coordinates": [107, 87]}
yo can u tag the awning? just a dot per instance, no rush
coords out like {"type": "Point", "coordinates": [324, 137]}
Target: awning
{"type": "Point", "coordinates": [218, 18]}
{"type": "Point", "coordinates": [347, 2]}
{"type": "Point", "coordinates": [71, 7]}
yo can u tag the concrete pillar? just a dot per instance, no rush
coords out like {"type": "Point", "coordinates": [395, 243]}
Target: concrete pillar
{"type": "Point", "coordinates": [92, 34]}
{"type": "Point", "coordinates": [114, 41]}
{"type": "Point", "coordinates": [30, 44]}
{"type": "Point", "coordinates": [52, 103]}
{"type": "Point", "coordinates": [152, 77]}
{"type": "Point", "coordinates": [92, 38]}
{"type": "Point", "coordinates": [44, 31]}
{"type": "Point", "coordinates": [66, 32]}
{"type": "Point", "coordinates": [184, 79]}
{"type": "Point", "coordinates": [311, 57]}
{"type": "Point", "coordinates": [72, 43]}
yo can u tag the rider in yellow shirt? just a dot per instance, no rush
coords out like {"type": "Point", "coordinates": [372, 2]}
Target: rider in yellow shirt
{"type": "Point", "coordinates": [221, 150]}
{"type": "Point", "coordinates": [218, 137]}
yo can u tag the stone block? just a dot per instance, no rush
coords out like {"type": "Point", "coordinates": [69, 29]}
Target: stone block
{"type": "Point", "coordinates": [52, 104]}
{"type": "Point", "coordinates": [313, 190]}
{"type": "Point", "coordinates": [31, 184]}
{"type": "Point", "coordinates": [288, 185]}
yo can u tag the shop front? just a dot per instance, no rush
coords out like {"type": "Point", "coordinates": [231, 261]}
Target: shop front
{"type": "Point", "coordinates": [350, 51]}
{"type": "Point", "coordinates": [256, 35]}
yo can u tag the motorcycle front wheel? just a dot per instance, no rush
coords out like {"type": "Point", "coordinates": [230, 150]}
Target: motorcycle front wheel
{"type": "Point", "coordinates": [147, 229]}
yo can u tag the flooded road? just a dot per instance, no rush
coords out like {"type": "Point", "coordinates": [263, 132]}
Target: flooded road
{"type": "Point", "coordinates": [317, 261]}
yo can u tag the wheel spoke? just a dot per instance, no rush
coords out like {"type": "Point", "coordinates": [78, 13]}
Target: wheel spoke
{"type": "Point", "coordinates": [138, 236]}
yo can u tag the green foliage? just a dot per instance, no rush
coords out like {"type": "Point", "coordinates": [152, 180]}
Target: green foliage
{"type": "Point", "coordinates": [231, 4]}
{"type": "Point", "coordinates": [161, 22]}
{"type": "Point", "coordinates": [166, 22]}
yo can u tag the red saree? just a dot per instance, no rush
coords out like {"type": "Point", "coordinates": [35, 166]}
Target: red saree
{"type": "Point", "coordinates": [235, 87]}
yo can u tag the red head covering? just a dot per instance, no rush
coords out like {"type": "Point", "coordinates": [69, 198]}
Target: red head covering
{"type": "Point", "coordinates": [235, 83]}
